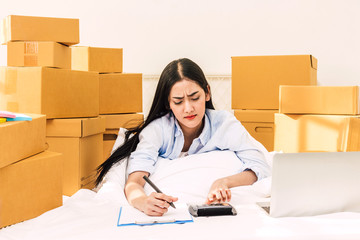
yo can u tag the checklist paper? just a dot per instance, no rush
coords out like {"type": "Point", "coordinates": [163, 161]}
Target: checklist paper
{"type": "Point", "coordinates": [129, 215]}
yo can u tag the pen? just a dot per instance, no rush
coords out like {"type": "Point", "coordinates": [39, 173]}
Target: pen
{"type": "Point", "coordinates": [156, 188]}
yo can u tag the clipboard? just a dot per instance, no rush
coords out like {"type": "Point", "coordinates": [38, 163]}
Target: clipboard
{"type": "Point", "coordinates": [130, 216]}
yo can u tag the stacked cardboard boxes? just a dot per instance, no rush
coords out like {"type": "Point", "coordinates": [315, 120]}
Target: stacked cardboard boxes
{"type": "Point", "coordinates": [39, 79]}
{"type": "Point", "coordinates": [318, 118]}
{"type": "Point", "coordinates": [80, 141]}
{"type": "Point", "coordinates": [120, 94]}
{"type": "Point", "coordinates": [27, 171]}
{"type": "Point", "coordinates": [255, 89]}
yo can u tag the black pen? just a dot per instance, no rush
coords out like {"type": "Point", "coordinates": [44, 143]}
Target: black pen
{"type": "Point", "coordinates": [156, 188]}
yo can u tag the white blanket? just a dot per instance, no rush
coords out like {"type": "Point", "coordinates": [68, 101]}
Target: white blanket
{"type": "Point", "coordinates": [90, 215]}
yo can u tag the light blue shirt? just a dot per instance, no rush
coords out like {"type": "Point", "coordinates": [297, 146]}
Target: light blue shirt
{"type": "Point", "coordinates": [222, 131]}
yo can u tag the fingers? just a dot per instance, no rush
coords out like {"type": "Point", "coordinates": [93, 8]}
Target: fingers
{"type": "Point", "coordinates": [219, 195]}
{"type": "Point", "coordinates": [157, 204]}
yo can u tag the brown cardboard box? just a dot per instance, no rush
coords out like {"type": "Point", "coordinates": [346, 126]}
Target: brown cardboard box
{"type": "Point", "coordinates": [21, 139]}
{"type": "Point", "coordinates": [113, 124]}
{"type": "Point", "coordinates": [109, 141]}
{"type": "Point", "coordinates": [26, 28]}
{"type": "Point", "coordinates": [30, 187]}
{"type": "Point", "coordinates": [120, 93]}
{"type": "Point", "coordinates": [312, 133]}
{"type": "Point", "coordinates": [80, 140]}
{"type": "Point", "coordinates": [57, 93]}
{"type": "Point", "coordinates": [102, 60]}
{"type": "Point", "coordinates": [260, 125]}
{"type": "Point", "coordinates": [256, 79]}
{"type": "Point", "coordinates": [89, 182]}
{"type": "Point", "coordinates": [351, 137]}
{"type": "Point", "coordinates": [117, 121]}
{"type": "Point", "coordinates": [319, 100]}
{"type": "Point", "coordinates": [33, 54]}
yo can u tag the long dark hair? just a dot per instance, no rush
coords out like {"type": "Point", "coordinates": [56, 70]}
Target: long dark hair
{"type": "Point", "coordinates": [175, 71]}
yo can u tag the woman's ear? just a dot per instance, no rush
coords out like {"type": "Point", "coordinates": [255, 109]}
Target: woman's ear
{"type": "Point", "coordinates": [208, 94]}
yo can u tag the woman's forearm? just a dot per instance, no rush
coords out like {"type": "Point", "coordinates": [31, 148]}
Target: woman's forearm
{"type": "Point", "coordinates": [240, 179]}
{"type": "Point", "coordinates": [134, 189]}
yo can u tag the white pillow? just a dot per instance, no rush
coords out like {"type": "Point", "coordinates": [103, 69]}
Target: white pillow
{"type": "Point", "coordinates": [188, 178]}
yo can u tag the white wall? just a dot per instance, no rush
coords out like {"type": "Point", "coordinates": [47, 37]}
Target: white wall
{"type": "Point", "coordinates": [154, 32]}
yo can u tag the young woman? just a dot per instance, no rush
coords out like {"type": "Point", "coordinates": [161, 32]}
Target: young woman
{"type": "Point", "coordinates": [182, 121]}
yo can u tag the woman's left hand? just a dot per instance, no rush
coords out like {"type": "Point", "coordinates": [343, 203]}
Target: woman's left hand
{"type": "Point", "coordinates": [219, 192]}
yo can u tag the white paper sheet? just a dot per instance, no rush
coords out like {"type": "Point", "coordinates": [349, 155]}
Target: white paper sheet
{"type": "Point", "coordinates": [131, 216]}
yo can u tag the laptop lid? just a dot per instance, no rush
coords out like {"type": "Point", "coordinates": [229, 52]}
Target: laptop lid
{"type": "Point", "coordinates": [306, 184]}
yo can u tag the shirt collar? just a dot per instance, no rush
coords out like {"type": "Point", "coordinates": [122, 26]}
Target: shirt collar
{"type": "Point", "coordinates": [178, 130]}
{"type": "Point", "coordinates": [205, 133]}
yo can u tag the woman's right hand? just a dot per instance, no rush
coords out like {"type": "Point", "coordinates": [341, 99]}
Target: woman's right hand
{"type": "Point", "coordinates": [156, 204]}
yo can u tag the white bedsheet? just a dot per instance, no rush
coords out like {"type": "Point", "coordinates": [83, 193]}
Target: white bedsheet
{"type": "Point", "coordinates": [89, 215]}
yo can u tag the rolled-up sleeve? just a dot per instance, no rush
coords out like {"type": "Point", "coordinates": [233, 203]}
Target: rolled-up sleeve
{"type": "Point", "coordinates": [251, 153]}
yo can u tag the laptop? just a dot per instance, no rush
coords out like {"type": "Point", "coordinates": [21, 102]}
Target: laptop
{"type": "Point", "coordinates": [313, 183]}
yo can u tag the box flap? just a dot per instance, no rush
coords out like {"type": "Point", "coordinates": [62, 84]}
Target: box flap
{"type": "Point", "coordinates": [313, 62]}
{"type": "Point", "coordinates": [116, 121]}
{"type": "Point", "coordinates": [339, 100]}
{"type": "Point", "coordinates": [21, 139]}
{"type": "Point", "coordinates": [31, 28]}
{"type": "Point", "coordinates": [92, 126]}
{"type": "Point", "coordinates": [74, 127]}
{"type": "Point", "coordinates": [255, 115]}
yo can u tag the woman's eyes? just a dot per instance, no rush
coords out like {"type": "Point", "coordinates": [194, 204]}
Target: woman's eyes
{"type": "Point", "coordinates": [193, 99]}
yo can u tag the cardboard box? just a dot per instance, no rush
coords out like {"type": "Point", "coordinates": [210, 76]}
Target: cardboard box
{"type": "Point", "coordinates": [117, 121]}
{"type": "Point", "coordinates": [120, 93]}
{"type": "Point", "coordinates": [256, 79]}
{"type": "Point", "coordinates": [89, 182]}
{"type": "Point", "coordinates": [351, 137]}
{"type": "Point", "coordinates": [30, 187]}
{"type": "Point", "coordinates": [319, 100]}
{"type": "Point", "coordinates": [26, 28]}
{"type": "Point", "coordinates": [108, 143]}
{"type": "Point", "coordinates": [102, 60]}
{"type": "Point", "coordinates": [260, 125]}
{"type": "Point", "coordinates": [34, 54]}
{"type": "Point", "coordinates": [80, 140]}
{"type": "Point", "coordinates": [21, 139]}
{"type": "Point", "coordinates": [313, 133]}
{"type": "Point", "coordinates": [57, 93]}
{"type": "Point", "coordinates": [113, 124]}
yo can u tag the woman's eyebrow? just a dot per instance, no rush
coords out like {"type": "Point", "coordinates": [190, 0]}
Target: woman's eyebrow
{"type": "Point", "coordinates": [189, 95]}
{"type": "Point", "coordinates": [192, 94]}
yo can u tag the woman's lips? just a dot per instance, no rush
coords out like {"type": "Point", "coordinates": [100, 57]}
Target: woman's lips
{"type": "Point", "coordinates": [191, 117]}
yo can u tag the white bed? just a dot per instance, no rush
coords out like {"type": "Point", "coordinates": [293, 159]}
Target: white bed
{"type": "Point", "coordinates": [90, 215]}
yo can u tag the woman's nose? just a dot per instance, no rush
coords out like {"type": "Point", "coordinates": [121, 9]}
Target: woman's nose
{"type": "Point", "coordinates": [188, 106]}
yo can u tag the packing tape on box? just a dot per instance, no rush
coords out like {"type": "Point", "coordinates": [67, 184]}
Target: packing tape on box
{"type": "Point", "coordinates": [31, 51]}
{"type": "Point", "coordinates": [31, 48]}
{"type": "Point", "coordinates": [8, 81]}
{"type": "Point", "coordinates": [8, 89]}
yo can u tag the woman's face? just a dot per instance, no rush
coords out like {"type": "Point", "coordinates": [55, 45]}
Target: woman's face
{"type": "Point", "coordinates": [187, 101]}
